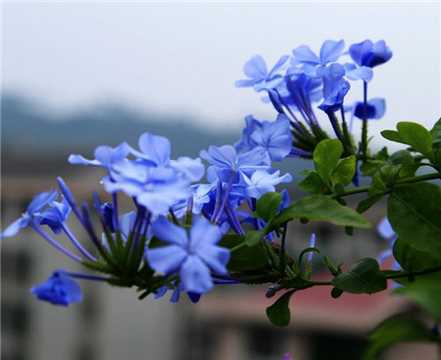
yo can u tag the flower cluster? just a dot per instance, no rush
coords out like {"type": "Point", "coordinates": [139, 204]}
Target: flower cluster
{"type": "Point", "coordinates": [174, 236]}
{"type": "Point", "coordinates": [298, 81]}
{"type": "Point", "coordinates": [174, 230]}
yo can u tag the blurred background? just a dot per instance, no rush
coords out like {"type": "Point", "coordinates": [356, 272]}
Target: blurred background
{"type": "Point", "coordinates": [76, 75]}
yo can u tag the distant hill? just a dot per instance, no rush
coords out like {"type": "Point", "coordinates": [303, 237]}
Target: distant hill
{"type": "Point", "coordinates": [33, 138]}
{"type": "Point", "coordinates": [35, 141]}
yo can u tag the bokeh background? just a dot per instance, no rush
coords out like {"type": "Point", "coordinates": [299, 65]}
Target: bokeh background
{"type": "Point", "coordinates": [79, 74]}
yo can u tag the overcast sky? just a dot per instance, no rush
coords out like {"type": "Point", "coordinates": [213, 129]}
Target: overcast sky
{"type": "Point", "coordinates": [185, 58]}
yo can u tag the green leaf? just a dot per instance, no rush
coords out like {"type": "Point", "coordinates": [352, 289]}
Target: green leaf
{"type": "Point", "coordinates": [393, 330]}
{"type": "Point", "coordinates": [253, 237]}
{"type": "Point", "coordinates": [364, 277]}
{"type": "Point", "coordinates": [246, 258]}
{"type": "Point", "coordinates": [313, 183]}
{"type": "Point", "coordinates": [268, 205]}
{"type": "Point", "coordinates": [321, 208]}
{"type": "Point", "coordinates": [345, 170]}
{"type": "Point", "coordinates": [414, 212]}
{"type": "Point", "coordinates": [411, 259]}
{"type": "Point", "coordinates": [326, 156]}
{"type": "Point", "coordinates": [367, 203]}
{"type": "Point", "coordinates": [391, 135]}
{"type": "Point", "coordinates": [436, 135]}
{"type": "Point", "coordinates": [408, 164]}
{"type": "Point", "coordinates": [416, 136]}
{"type": "Point", "coordinates": [425, 291]}
{"type": "Point", "coordinates": [279, 313]}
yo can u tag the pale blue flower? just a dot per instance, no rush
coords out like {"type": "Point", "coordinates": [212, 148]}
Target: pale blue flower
{"type": "Point", "coordinates": [193, 256]}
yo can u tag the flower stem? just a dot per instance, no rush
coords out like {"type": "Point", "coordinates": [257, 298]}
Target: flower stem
{"type": "Point", "coordinates": [364, 129]}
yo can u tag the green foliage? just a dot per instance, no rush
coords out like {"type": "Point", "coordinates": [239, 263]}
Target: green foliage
{"type": "Point", "coordinates": [268, 205]}
{"type": "Point", "coordinates": [425, 291]}
{"type": "Point", "coordinates": [321, 208]}
{"type": "Point", "coordinates": [246, 258]}
{"type": "Point", "coordinates": [364, 277]}
{"type": "Point", "coordinates": [326, 156]}
{"type": "Point", "coordinates": [279, 313]}
{"type": "Point", "coordinates": [413, 134]}
{"type": "Point", "coordinates": [414, 212]}
{"type": "Point", "coordinates": [396, 329]}
{"type": "Point", "coordinates": [344, 171]}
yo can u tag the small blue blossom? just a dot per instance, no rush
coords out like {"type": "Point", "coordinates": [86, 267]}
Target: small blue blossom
{"type": "Point", "coordinates": [370, 54]}
{"type": "Point", "coordinates": [59, 289]}
{"type": "Point", "coordinates": [273, 136]}
{"type": "Point", "coordinates": [226, 162]}
{"type": "Point", "coordinates": [354, 72]}
{"type": "Point", "coordinates": [192, 256]}
{"type": "Point", "coordinates": [262, 182]}
{"type": "Point", "coordinates": [374, 109]}
{"type": "Point", "coordinates": [385, 230]}
{"type": "Point", "coordinates": [105, 156]}
{"type": "Point", "coordinates": [313, 64]}
{"type": "Point", "coordinates": [55, 215]}
{"type": "Point", "coordinates": [334, 100]}
{"type": "Point", "coordinates": [37, 203]}
{"type": "Point", "coordinates": [259, 77]}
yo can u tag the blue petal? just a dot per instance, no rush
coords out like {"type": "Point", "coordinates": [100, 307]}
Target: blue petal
{"type": "Point", "coordinates": [166, 259]}
{"type": "Point", "coordinates": [155, 148]}
{"type": "Point", "coordinates": [195, 276]}
{"type": "Point", "coordinates": [331, 51]}
{"type": "Point", "coordinates": [244, 83]}
{"type": "Point", "coordinates": [359, 72]}
{"type": "Point", "coordinates": [203, 232]}
{"type": "Point", "coordinates": [76, 159]}
{"type": "Point", "coordinates": [59, 289]}
{"type": "Point", "coordinates": [358, 51]}
{"type": "Point", "coordinates": [16, 226]}
{"type": "Point", "coordinates": [380, 107]}
{"type": "Point", "coordinates": [385, 230]}
{"type": "Point", "coordinates": [168, 232]}
{"type": "Point", "coordinates": [215, 257]}
{"type": "Point", "coordinates": [278, 66]}
{"type": "Point", "coordinates": [193, 169]}
{"type": "Point", "coordinates": [255, 68]}
{"type": "Point", "coordinates": [304, 54]}
{"type": "Point", "coordinates": [41, 200]}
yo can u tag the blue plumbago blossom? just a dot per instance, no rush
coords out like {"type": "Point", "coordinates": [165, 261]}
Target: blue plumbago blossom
{"type": "Point", "coordinates": [334, 99]}
{"type": "Point", "coordinates": [59, 289]}
{"type": "Point", "coordinates": [33, 209]}
{"type": "Point", "coordinates": [55, 215]}
{"type": "Point", "coordinates": [313, 64]}
{"type": "Point", "coordinates": [105, 156]}
{"type": "Point", "coordinates": [370, 54]}
{"type": "Point", "coordinates": [176, 294]}
{"type": "Point", "coordinates": [385, 230]}
{"type": "Point", "coordinates": [273, 136]}
{"type": "Point", "coordinates": [258, 75]}
{"type": "Point", "coordinates": [226, 163]}
{"type": "Point", "coordinates": [193, 256]}
{"type": "Point", "coordinates": [262, 182]}
{"type": "Point", "coordinates": [354, 72]}
{"type": "Point", "coordinates": [156, 181]}
{"type": "Point", "coordinates": [374, 109]}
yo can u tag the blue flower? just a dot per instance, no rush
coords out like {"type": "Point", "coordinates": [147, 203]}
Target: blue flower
{"type": "Point", "coordinates": [55, 215]}
{"type": "Point", "coordinates": [367, 53]}
{"type": "Point", "coordinates": [259, 77]}
{"type": "Point", "coordinates": [154, 149]}
{"type": "Point", "coordinates": [59, 289]}
{"type": "Point", "coordinates": [334, 99]}
{"type": "Point", "coordinates": [385, 230]}
{"type": "Point", "coordinates": [354, 72]}
{"type": "Point", "coordinates": [176, 294]}
{"type": "Point", "coordinates": [226, 162]}
{"type": "Point", "coordinates": [105, 156]}
{"type": "Point", "coordinates": [193, 257]}
{"type": "Point", "coordinates": [374, 109]}
{"type": "Point", "coordinates": [37, 203]}
{"type": "Point", "coordinates": [273, 136]}
{"type": "Point", "coordinates": [262, 182]}
{"type": "Point", "coordinates": [311, 63]}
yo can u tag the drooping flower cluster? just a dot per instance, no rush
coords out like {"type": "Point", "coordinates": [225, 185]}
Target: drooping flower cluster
{"type": "Point", "coordinates": [172, 238]}
{"type": "Point", "coordinates": [165, 193]}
